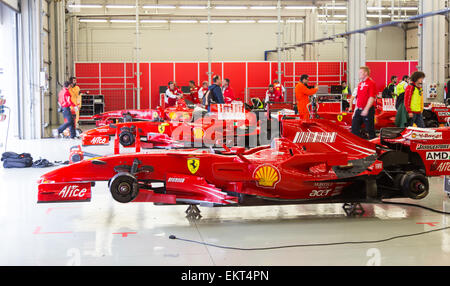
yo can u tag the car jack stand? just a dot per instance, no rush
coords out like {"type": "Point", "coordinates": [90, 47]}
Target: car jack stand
{"type": "Point", "coordinates": [353, 209]}
{"type": "Point", "coordinates": [193, 213]}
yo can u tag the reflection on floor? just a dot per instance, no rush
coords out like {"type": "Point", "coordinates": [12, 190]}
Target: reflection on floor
{"type": "Point", "coordinates": [104, 232]}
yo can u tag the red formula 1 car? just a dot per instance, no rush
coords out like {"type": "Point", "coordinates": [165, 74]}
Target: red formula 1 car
{"type": "Point", "coordinates": [436, 114]}
{"type": "Point", "coordinates": [181, 112]}
{"type": "Point", "coordinates": [208, 129]}
{"type": "Point", "coordinates": [385, 113]}
{"type": "Point", "coordinates": [315, 161]}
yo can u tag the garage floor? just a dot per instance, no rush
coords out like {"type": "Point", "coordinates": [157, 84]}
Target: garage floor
{"type": "Point", "coordinates": [104, 232]}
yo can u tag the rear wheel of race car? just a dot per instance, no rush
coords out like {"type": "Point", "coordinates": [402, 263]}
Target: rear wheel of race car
{"type": "Point", "coordinates": [126, 138]}
{"type": "Point", "coordinates": [123, 187]}
{"type": "Point", "coordinates": [414, 185]}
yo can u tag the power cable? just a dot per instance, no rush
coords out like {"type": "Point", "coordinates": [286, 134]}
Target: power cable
{"type": "Point", "coordinates": [329, 243]}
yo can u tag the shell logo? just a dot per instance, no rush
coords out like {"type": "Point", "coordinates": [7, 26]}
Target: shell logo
{"type": "Point", "coordinates": [172, 115]}
{"type": "Point", "coordinates": [198, 133]}
{"type": "Point", "coordinates": [267, 176]}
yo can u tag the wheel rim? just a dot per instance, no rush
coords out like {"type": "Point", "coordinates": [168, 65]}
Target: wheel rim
{"type": "Point", "coordinates": [124, 188]}
{"type": "Point", "coordinates": [418, 187]}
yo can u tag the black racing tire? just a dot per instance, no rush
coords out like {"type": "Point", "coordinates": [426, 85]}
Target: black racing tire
{"type": "Point", "coordinates": [126, 138]}
{"type": "Point", "coordinates": [127, 118]}
{"type": "Point", "coordinates": [76, 158]}
{"type": "Point", "coordinates": [415, 185]}
{"type": "Point", "coordinates": [123, 187]}
{"type": "Point", "coordinates": [432, 124]}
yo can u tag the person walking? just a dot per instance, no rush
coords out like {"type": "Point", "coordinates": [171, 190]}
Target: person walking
{"type": "Point", "coordinates": [65, 102]}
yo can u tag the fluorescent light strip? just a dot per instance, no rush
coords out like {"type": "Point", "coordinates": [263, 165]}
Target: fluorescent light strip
{"type": "Point", "coordinates": [93, 20]}
{"type": "Point", "coordinates": [192, 7]}
{"type": "Point", "coordinates": [213, 21]}
{"type": "Point", "coordinates": [85, 6]}
{"type": "Point", "coordinates": [242, 21]}
{"type": "Point", "coordinates": [375, 8]}
{"type": "Point", "coordinates": [154, 21]}
{"type": "Point", "coordinates": [263, 7]}
{"type": "Point", "coordinates": [184, 21]}
{"type": "Point", "coordinates": [330, 22]}
{"type": "Point", "coordinates": [300, 7]}
{"type": "Point", "coordinates": [110, 6]}
{"type": "Point", "coordinates": [294, 21]}
{"type": "Point", "coordinates": [269, 21]}
{"type": "Point", "coordinates": [377, 16]}
{"type": "Point", "coordinates": [231, 7]}
{"type": "Point", "coordinates": [334, 8]}
{"type": "Point", "coordinates": [159, 7]}
{"type": "Point", "coordinates": [408, 8]}
{"type": "Point", "coordinates": [122, 21]}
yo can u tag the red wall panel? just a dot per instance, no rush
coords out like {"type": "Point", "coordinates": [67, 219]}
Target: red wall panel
{"type": "Point", "coordinates": [378, 74]}
{"type": "Point", "coordinates": [413, 67]}
{"type": "Point", "coordinates": [88, 76]}
{"type": "Point", "coordinates": [117, 80]}
{"type": "Point", "coordinates": [145, 87]}
{"type": "Point", "coordinates": [130, 85]}
{"type": "Point", "coordinates": [329, 73]}
{"type": "Point", "coordinates": [397, 68]}
{"type": "Point", "coordinates": [112, 85]}
{"type": "Point", "coordinates": [235, 72]}
{"type": "Point", "coordinates": [309, 68]}
{"type": "Point", "coordinates": [258, 78]}
{"type": "Point", "coordinates": [184, 72]}
{"type": "Point", "coordinates": [216, 69]}
{"type": "Point", "coordinates": [160, 75]}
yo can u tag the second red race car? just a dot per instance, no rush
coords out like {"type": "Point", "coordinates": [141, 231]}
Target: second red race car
{"type": "Point", "coordinates": [228, 123]}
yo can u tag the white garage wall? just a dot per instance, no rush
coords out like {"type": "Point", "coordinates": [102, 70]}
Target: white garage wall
{"type": "Point", "coordinates": [8, 70]}
{"type": "Point", "coordinates": [231, 42]}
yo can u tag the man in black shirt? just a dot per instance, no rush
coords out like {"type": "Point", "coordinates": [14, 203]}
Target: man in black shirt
{"type": "Point", "coordinates": [214, 94]}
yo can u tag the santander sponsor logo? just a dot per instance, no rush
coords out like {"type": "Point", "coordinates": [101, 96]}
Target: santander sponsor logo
{"type": "Point", "coordinates": [98, 140]}
{"type": "Point", "coordinates": [72, 191]}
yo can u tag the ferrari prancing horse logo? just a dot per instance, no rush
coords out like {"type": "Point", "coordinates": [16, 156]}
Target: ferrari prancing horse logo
{"type": "Point", "coordinates": [193, 164]}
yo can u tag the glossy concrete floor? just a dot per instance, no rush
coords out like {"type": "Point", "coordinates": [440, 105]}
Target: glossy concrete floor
{"type": "Point", "coordinates": [104, 232]}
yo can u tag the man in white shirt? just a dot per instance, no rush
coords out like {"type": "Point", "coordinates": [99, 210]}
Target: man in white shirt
{"type": "Point", "coordinates": [202, 91]}
{"type": "Point", "coordinates": [171, 95]}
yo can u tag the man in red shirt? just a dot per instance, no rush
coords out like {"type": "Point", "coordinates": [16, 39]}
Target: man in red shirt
{"type": "Point", "coordinates": [227, 91]}
{"type": "Point", "coordinates": [193, 92]}
{"type": "Point", "coordinates": [365, 104]}
{"type": "Point", "coordinates": [65, 102]}
{"type": "Point", "coordinates": [273, 95]}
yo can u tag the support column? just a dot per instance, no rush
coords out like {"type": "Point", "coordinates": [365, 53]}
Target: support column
{"type": "Point", "coordinates": [433, 55]}
{"type": "Point", "coordinates": [356, 19]}
{"type": "Point", "coordinates": [138, 59]}
{"type": "Point", "coordinates": [311, 33]}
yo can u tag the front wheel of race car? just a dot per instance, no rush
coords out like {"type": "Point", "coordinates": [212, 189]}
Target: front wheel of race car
{"type": "Point", "coordinates": [123, 187]}
{"type": "Point", "coordinates": [414, 185]}
{"type": "Point", "coordinates": [126, 138]}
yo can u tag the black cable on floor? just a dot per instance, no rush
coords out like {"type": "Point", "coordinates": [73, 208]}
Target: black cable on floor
{"type": "Point", "coordinates": [330, 243]}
